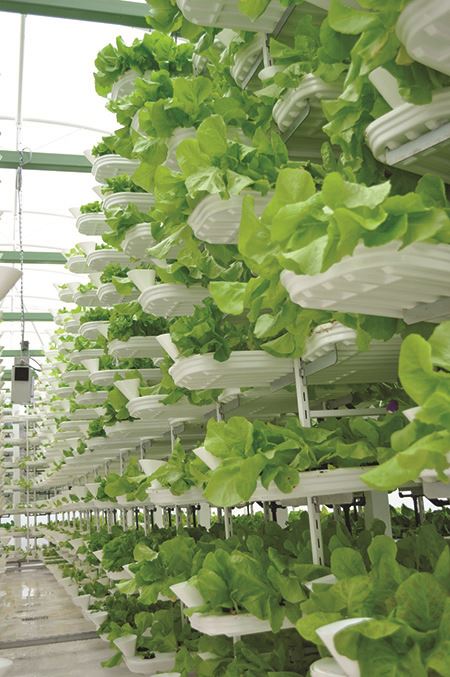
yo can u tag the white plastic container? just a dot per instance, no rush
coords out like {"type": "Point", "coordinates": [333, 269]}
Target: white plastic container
{"type": "Point", "coordinates": [136, 346]}
{"type": "Point", "coordinates": [327, 634]}
{"type": "Point", "coordinates": [92, 224]}
{"type": "Point", "coordinates": [171, 300]}
{"type": "Point", "coordinates": [143, 201]}
{"type": "Point", "coordinates": [385, 280]}
{"type": "Point", "coordinates": [326, 667]}
{"type": "Point", "coordinates": [415, 138]}
{"type": "Point", "coordinates": [99, 259]}
{"type": "Point", "coordinates": [107, 166]}
{"type": "Point", "coordinates": [137, 240]}
{"type": "Point", "coordinates": [142, 278]}
{"type": "Point", "coordinates": [124, 85]}
{"type": "Point", "coordinates": [299, 117]}
{"type": "Point", "coordinates": [247, 59]}
{"type": "Point", "coordinates": [217, 221]}
{"type": "Point", "coordinates": [244, 368]}
{"type": "Point", "coordinates": [226, 14]}
{"type": "Point", "coordinates": [424, 29]}
{"type": "Point", "coordinates": [92, 330]}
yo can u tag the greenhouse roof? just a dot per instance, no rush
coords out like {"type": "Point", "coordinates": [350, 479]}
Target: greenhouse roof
{"type": "Point", "coordinates": [50, 110]}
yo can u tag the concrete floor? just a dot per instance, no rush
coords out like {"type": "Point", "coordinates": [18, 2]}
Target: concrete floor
{"type": "Point", "coordinates": [36, 607]}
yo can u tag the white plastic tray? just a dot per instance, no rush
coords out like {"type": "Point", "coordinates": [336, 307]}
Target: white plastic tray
{"type": "Point", "coordinates": [137, 240]}
{"type": "Point", "coordinates": [299, 116]}
{"type": "Point", "coordinates": [376, 281]}
{"type": "Point", "coordinates": [106, 377]}
{"type": "Point", "coordinates": [109, 296]}
{"type": "Point", "coordinates": [98, 260]}
{"type": "Point", "coordinates": [80, 375]}
{"type": "Point", "coordinates": [87, 299]}
{"type": "Point", "coordinates": [378, 364]}
{"type": "Point", "coordinates": [152, 666]}
{"type": "Point", "coordinates": [143, 201]}
{"type": "Point", "coordinates": [63, 392]}
{"type": "Point", "coordinates": [94, 329]}
{"type": "Point", "coordinates": [244, 368]}
{"type": "Point", "coordinates": [72, 326]}
{"type": "Point", "coordinates": [408, 123]}
{"type": "Point", "coordinates": [226, 14]}
{"type": "Point", "coordinates": [65, 295]}
{"type": "Point", "coordinates": [424, 29]}
{"type": "Point", "coordinates": [217, 221]}
{"type": "Point", "coordinates": [246, 60]}
{"type": "Point", "coordinates": [136, 346]}
{"type": "Point", "coordinates": [171, 300]}
{"type": "Point", "coordinates": [108, 166]}
{"type": "Point", "coordinates": [151, 408]}
{"type": "Point", "coordinates": [77, 264]}
{"type": "Point", "coordinates": [93, 399]}
{"type": "Point", "coordinates": [232, 625]}
{"type": "Point", "coordinates": [79, 356]}
{"type": "Point", "coordinates": [92, 224]}
{"type": "Point", "coordinates": [179, 135]}
{"type": "Point", "coordinates": [124, 85]}
{"type": "Point", "coordinates": [128, 430]}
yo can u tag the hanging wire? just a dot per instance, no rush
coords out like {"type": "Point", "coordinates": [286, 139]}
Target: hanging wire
{"type": "Point", "coordinates": [19, 178]}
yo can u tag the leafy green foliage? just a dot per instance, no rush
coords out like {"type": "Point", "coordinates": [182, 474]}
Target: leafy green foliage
{"type": "Point", "coordinates": [128, 319]}
{"type": "Point", "coordinates": [153, 52]}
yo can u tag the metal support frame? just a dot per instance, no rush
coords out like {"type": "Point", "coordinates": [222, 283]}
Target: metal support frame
{"type": "Point", "coordinates": [33, 257]}
{"type": "Point", "coordinates": [101, 11]}
{"type": "Point", "coordinates": [51, 162]}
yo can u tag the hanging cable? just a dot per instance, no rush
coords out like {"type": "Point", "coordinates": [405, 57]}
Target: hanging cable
{"type": "Point", "coordinates": [19, 178]}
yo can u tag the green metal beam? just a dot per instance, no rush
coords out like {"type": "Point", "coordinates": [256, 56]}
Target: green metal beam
{"type": "Point", "coordinates": [29, 317]}
{"type": "Point", "coordinates": [52, 162]}
{"type": "Point", "coordinates": [18, 353]}
{"type": "Point", "coordinates": [32, 257]}
{"type": "Point", "coordinates": [6, 376]}
{"type": "Point", "coordinates": [102, 11]}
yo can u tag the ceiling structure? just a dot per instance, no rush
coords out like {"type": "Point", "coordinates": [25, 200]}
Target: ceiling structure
{"type": "Point", "coordinates": [51, 113]}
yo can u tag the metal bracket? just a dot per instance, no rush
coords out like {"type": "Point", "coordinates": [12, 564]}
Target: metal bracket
{"type": "Point", "coordinates": [324, 362]}
{"type": "Point", "coordinates": [428, 312]}
{"type": "Point", "coordinates": [301, 389]}
{"type": "Point", "coordinates": [296, 123]}
{"type": "Point", "coordinates": [419, 145]}
{"type": "Point", "coordinates": [338, 413]}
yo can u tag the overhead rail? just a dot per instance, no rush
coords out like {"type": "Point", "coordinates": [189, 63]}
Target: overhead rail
{"type": "Point", "coordinates": [52, 162]}
{"type": "Point", "coordinates": [31, 317]}
{"type": "Point", "coordinates": [32, 257]}
{"type": "Point", "coordinates": [102, 11]}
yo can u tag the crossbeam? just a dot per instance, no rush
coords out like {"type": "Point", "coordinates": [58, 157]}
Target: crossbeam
{"type": "Point", "coordinates": [101, 11]}
{"type": "Point", "coordinates": [51, 162]}
{"type": "Point", "coordinates": [32, 257]}
{"type": "Point", "coordinates": [18, 353]}
{"type": "Point", "coordinates": [29, 317]}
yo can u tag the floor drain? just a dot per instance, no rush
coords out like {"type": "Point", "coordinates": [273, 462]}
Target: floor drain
{"type": "Point", "coordinates": [35, 618]}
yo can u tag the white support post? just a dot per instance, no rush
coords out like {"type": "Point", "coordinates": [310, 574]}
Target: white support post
{"type": "Point", "coordinates": [313, 502]}
{"type": "Point", "coordinates": [228, 522]}
{"type": "Point", "coordinates": [377, 507]}
{"type": "Point", "coordinates": [282, 517]}
{"type": "Point", "coordinates": [178, 517]}
{"type": "Point", "coordinates": [315, 530]}
{"type": "Point", "coordinates": [204, 516]}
